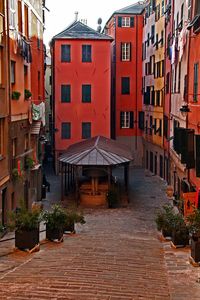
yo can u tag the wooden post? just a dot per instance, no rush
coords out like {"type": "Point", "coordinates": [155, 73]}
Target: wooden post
{"type": "Point", "coordinates": [65, 179]}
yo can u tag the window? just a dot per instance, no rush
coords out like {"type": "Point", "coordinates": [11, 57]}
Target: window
{"type": "Point", "coordinates": [152, 33]}
{"type": "Point", "coordinates": [165, 130]}
{"type": "Point", "coordinates": [125, 22]}
{"type": "Point", "coordinates": [25, 76]}
{"type": "Point", "coordinates": [12, 13]}
{"type": "Point", "coordinates": [65, 93]}
{"type": "Point", "coordinates": [12, 72]}
{"type": "Point", "coordinates": [86, 93]}
{"type": "Point", "coordinates": [196, 75]}
{"type": "Point", "coordinates": [26, 21]}
{"type": "Point", "coordinates": [14, 147]}
{"type": "Point", "coordinates": [1, 137]}
{"type": "Point", "coordinates": [189, 9]}
{"type": "Point", "coordinates": [125, 87]}
{"type": "Point", "coordinates": [163, 7]}
{"type": "Point", "coordinates": [86, 53]}
{"type": "Point", "coordinates": [65, 53]}
{"type": "Point", "coordinates": [179, 78]}
{"type": "Point", "coordinates": [126, 119]}
{"type": "Point", "coordinates": [125, 51]}
{"type": "Point", "coordinates": [19, 7]}
{"type": "Point", "coordinates": [86, 130]}
{"type": "Point", "coordinates": [66, 131]}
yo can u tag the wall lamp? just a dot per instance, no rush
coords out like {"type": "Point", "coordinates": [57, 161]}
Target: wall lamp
{"type": "Point", "coordinates": [184, 110]}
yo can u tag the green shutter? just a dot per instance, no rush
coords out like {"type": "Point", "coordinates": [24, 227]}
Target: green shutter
{"type": "Point", "coordinates": [119, 21]}
{"type": "Point", "coordinates": [131, 119]}
{"type": "Point", "coordinates": [132, 21]}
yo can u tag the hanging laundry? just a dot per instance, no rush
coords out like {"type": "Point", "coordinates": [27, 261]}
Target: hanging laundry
{"type": "Point", "coordinates": [38, 112]}
{"type": "Point", "coordinates": [173, 52]}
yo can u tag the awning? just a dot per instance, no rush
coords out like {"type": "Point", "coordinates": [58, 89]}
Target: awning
{"type": "Point", "coordinates": [35, 127]}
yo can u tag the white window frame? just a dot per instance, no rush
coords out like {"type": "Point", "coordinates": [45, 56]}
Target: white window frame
{"type": "Point", "coordinates": [125, 122]}
{"type": "Point", "coordinates": [126, 51]}
{"type": "Point", "coordinates": [12, 13]}
{"type": "Point", "coordinates": [126, 22]}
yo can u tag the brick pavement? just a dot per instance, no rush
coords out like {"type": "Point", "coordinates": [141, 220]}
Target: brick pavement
{"type": "Point", "coordinates": [115, 255]}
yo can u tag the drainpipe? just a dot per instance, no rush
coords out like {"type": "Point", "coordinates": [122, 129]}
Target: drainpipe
{"type": "Point", "coordinates": [136, 119]}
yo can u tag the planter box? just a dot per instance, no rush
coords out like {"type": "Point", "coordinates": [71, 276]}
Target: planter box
{"type": "Point", "coordinates": [179, 238]}
{"type": "Point", "coordinates": [195, 249]}
{"type": "Point", "coordinates": [54, 233]}
{"type": "Point", "coordinates": [26, 239]}
{"type": "Point", "coordinates": [70, 227]}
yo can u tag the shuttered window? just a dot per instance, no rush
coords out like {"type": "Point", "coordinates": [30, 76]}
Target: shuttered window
{"type": "Point", "coordinates": [86, 130]}
{"type": "Point", "coordinates": [86, 53]}
{"type": "Point", "coordinates": [66, 130]}
{"type": "Point", "coordinates": [126, 119]}
{"type": "Point", "coordinates": [66, 93]}
{"type": "Point", "coordinates": [65, 53]}
{"type": "Point", "coordinates": [125, 85]}
{"type": "Point", "coordinates": [86, 93]}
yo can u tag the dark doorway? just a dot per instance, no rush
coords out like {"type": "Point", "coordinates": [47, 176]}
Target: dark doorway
{"type": "Point", "coordinates": [151, 161]}
{"type": "Point", "coordinates": [161, 166]}
{"type": "Point", "coordinates": [4, 200]}
{"type": "Point", "coordinates": [155, 163]}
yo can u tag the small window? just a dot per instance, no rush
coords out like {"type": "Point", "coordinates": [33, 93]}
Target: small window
{"type": "Point", "coordinates": [65, 93]}
{"type": "Point", "coordinates": [86, 53]}
{"type": "Point", "coordinates": [19, 16]}
{"type": "Point", "coordinates": [12, 72]}
{"type": "Point", "coordinates": [26, 21]}
{"type": "Point", "coordinates": [126, 22]}
{"type": "Point", "coordinates": [125, 51]}
{"type": "Point", "coordinates": [86, 93]}
{"type": "Point", "coordinates": [66, 131]}
{"type": "Point", "coordinates": [125, 88]}
{"type": "Point", "coordinates": [141, 120]}
{"type": "Point", "coordinates": [86, 130]}
{"type": "Point", "coordinates": [126, 119]}
{"type": "Point", "coordinates": [12, 15]}
{"type": "Point", "coordinates": [65, 53]}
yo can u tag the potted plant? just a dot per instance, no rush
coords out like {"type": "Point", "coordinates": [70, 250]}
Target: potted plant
{"type": "Point", "coordinates": [16, 95]}
{"type": "Point", "coordinates": [16, 176]}
{"type": "Point", "coordinates": [2, 230]}
{"type": "Point", "coordinates": [26, 225]}
{"type": "Point", "coordinates": [164, 219]}
{"type": "Point", "coordinates": [27, 94]}
{"type": "Point", "coordinates": [112, 198]}
{"type": "Point", "coordinates": [180, 232]}
{"type": "Point", "coordinates": [29, 163]}
{"type": "Point", "coordinates": [55, 220]}
{"type": "Point", "coordinates": [194, 229]}
{"type": "Point", "coordinates": [73, 217]}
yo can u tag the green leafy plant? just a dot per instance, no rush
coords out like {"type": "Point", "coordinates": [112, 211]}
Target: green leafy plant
{"type": "Point", "coordinates": [1, 228]}
{"type": "Point", "coordinates": [16, 95]}
{"type": "Point", "coordinates": [27, 94]}
{"type": "Point", "coordinates": [29, 163]}
{"type": "Point", "coordinates": [23, 219]}
{"type": "Point", "coordinates": [164, 218]}
{"type": "Point", "coordinates": [194, 222]}
{"type": "Point", "coordinates": [56, 217]}
{"type": "Point", "coordinates": [16, 176]}
{"type": "Point", "coordinates": [74, 216]}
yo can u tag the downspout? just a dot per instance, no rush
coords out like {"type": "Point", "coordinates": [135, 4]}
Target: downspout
{"type": "Point", "coordinates": [136, 90]}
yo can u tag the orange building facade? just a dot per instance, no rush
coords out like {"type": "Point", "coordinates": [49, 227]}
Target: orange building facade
{"type": "Point", "coordinates": [81, 85]}
{"type": "Point", "coordinates": [126, 26]}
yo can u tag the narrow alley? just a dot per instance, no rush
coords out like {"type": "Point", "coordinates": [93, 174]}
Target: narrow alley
{"type": "Point", "coordinates": [117, 254]}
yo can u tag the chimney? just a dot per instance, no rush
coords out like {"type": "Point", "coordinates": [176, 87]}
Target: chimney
{"type": "Point", "coordinates": [76, 15]}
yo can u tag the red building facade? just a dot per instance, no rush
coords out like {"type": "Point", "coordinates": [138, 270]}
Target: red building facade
{"type": "Point", "coordinates": [194, 93]}
{"type": "Point", "coordinates": [126, 27]}
{"type": "Point", "coordinates": [81, 85]}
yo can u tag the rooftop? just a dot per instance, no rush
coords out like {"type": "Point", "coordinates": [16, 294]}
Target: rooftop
{"type": "Point", "coordinates": [99, 151]}
{"type": "Point", "coordinates": [78, 30]}
{"type": "Point", "coordinates": [135, 9]}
